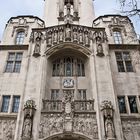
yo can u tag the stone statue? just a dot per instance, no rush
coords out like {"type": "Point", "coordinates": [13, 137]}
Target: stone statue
{"type": "Point", "coordinates": [75, 36]}
{"type": "Point", "coordinates": [49, 39]}
{"type": "Point", "coordinates": [61, 36]}
{"type": "Point", "coordinates": [109, 128]}
{"type": "Point", "coordinates": [37, 47]}
{"type": "Point", "coordinates": [55, 37]}
{"type": "Point", "coordinates": [68, 33]}
{"type": "Point", "coordinates": [80, 37]}
{"type": "Point", "coordinates": [27, 127]}
{"type": "Point", "coordinates": [100, 51]}
{"type": "Point", "coordinates": [108, 112]}
{"type": "Point", "coordinates": [68, 8]}
{"type": "Point", "coordinates": [29, 110]}
{"type": "Point", "coordinates": [86, 40]}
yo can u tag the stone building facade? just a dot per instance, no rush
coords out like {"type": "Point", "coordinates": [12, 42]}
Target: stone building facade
{"type": "Point", "coordinates": [70, 76]}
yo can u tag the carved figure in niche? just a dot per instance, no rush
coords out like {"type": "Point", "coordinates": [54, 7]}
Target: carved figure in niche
{"type": "Point", "coordinates": [109, 128]}
{"type": "Point", "coordinates": [86, 40]}
{"type": "Point", "coordinates": [80, 37]}
{"type": "Point", "coordinates": [100, 50]}
{"type": "Point", "coordinates": [99, 46]}
{"type": "Point", "coordinates": [75, 36]}
{"type": "Point", "coordinates": [82, 127]}
{"type": "Point", "coordinates": [49, 39]}
{"type": "Point", "coordinates": [68, 33]}
{"type": "Point", "coordinates": [37, 47]}
{"type": "Point", "coordinates": [95, 131]}
{"type": "Point", "coordinates": [68, 17]}
{"type": "Point", "coordinates": [61, 36]}
{"type": "Point", "coordinates": [27, 127]}
{"type": "Point", "coordinates": [61, 14]}
{"type": "Point", "coordinates": [55, 37]}
{"type": "Point", "coordinates": [68, 8]}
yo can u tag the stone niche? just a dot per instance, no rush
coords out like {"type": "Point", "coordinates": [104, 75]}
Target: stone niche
{"type": "Point", "coordinates": [131, 129]}
{"type": "Point", "coordinates": [7, 128]}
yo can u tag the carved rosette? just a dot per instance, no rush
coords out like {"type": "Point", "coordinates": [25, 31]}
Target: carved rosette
{"type": "Point", "coordinates": [108, 112]}
{"type": "Point", "coordinates": [29, 110]}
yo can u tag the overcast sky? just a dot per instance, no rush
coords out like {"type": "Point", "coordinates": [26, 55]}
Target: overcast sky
{"type": "Point", "coordinates": [11, 8]}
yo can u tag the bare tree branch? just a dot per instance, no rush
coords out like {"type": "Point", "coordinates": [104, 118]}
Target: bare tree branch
{"type": "Point", "coordinates": [130, 7]}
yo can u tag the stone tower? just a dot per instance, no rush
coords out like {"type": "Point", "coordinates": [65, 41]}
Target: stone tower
{"type": "Point", "coordinates": [58, 12]}
{"type": "Point", "coordinates": [69, 76]}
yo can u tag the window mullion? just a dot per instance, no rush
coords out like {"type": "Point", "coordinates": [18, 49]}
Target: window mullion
{"type": "Point", "coordinates": [124, 65]}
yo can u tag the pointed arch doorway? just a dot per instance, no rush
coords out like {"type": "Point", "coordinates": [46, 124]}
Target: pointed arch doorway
{"type": "Point", "coordinates": [70, 136]}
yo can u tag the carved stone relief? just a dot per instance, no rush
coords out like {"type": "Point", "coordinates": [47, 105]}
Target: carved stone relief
{"type": "Point", "coordinates": [68, 120]}
{"type": "Point", "coordinates": [83, 124]}
{"type": "Point", "coordinates": [69, 33]}
{"type": "Point", "coordinates": [50, 124]}
{"type": "Point", "coordinates": [131, 129]}
{"type": "Point", "coordinates": [68, 83]}
{"type": "Point", "coordinates": [86, 124]}
{"type": "Point", "coordinates": [7, 129]}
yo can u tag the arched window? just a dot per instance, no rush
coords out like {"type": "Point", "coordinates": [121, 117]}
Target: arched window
{"type": "Point", "coordinates": [20, 37]}
{"type": "Point", "coordinates": [56, 68]}
{"type": "Point", "coordinates": [68, 66]}
{"type": "Point", "coordinates": [80, 68]}
{"type": "Point", "coordinates": [117, 37]}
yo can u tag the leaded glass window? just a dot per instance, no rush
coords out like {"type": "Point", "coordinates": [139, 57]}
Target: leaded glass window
{"type": "Point", "coordinates": [16, 101]}
{"type": "Point", "coordinates": [124, 62]}
{"type": "Point", "coordinates": [5, 104]}
{"type": "Point", "coordinates": [133, 104]}
{"type": "Point", "coordinates": [13, 62]}
{"type": "Point", "coordinates": [117, 37]}
{"type": "Point", "coordinates": [68, 66]}
{"type": "Point", "coordinates": [20, 38]}
{"type": "Point", "coordinates": [121, 103]}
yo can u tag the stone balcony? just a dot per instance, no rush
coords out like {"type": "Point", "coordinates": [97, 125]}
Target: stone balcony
{"type": "Point", "coordinates": [79, 106]}
{"type": "Point", "coordinates": [68, 116]}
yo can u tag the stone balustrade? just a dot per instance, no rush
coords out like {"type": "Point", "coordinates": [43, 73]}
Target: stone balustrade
{"type": "Point", "coordinates": [57, 105]}
{"type": "Point", "coordinates": [84, 105]}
